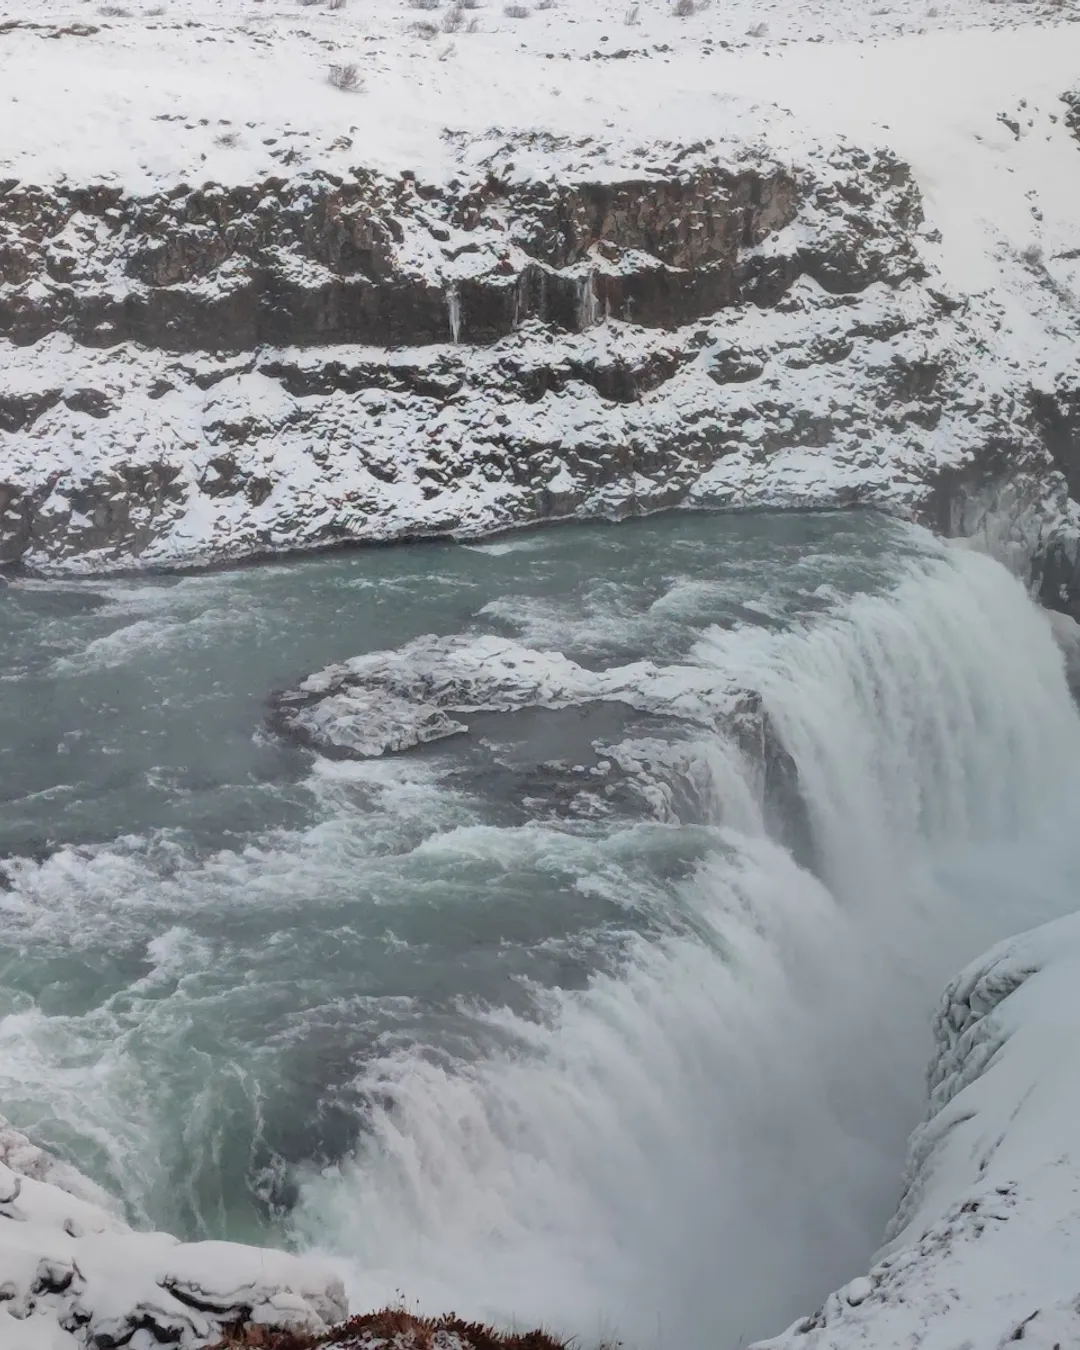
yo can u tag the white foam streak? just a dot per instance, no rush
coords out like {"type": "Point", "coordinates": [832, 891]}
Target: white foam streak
{"type": "Point", "coordinates": [699, 1146]}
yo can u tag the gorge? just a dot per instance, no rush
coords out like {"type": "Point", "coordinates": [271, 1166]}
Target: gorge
{"type": "Point", "coordinates": [543, 925]}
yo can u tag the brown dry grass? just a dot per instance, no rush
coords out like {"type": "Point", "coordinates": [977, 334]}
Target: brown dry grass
{"type": "Point", "coordinates": [394, 1325]}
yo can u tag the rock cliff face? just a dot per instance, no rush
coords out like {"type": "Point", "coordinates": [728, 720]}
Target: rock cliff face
{"type": "Point", "coordinates": [249, 336]}
{"type": "Point", "coordinates": [216, 372]}
{"type": "Point", "coordinates": [983, 1246]}
{"type": "Point", "coordinates": [388, 263]}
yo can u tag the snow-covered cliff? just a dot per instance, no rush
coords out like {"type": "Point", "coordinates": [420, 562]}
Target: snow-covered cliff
{"type": "Point", "coordinates": [596, 258]}
{"type": "Point", "coordinates": [985, 1245]}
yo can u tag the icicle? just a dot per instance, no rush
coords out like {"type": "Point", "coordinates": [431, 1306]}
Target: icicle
{"type": "Point", "coordinates": [453, 309]}
{"type": "Point", "coordinates": [588, 302]}
{"type": "Point", "coordinates": [520, 300]}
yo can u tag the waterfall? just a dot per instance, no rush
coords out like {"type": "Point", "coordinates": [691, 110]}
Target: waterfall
{"type": "Point", "coordinates": [698, 1146]}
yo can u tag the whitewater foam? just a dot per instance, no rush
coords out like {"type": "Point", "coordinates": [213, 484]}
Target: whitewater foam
{"type": "Point", "coordinates": [636, 1075]}
{"type": "Point", "coordinates": [700, 1144]}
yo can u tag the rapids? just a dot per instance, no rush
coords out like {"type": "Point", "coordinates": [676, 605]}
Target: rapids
{"type": "Point", "coordinates": [626, 1065]}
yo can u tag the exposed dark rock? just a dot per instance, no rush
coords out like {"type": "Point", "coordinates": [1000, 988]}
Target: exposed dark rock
{"type": "Point", "coordinates": [91, 401]}
{"type": "Point", "coordinates": [320, 259]}
{"type": "Point", "coordinates": [1072, 110]}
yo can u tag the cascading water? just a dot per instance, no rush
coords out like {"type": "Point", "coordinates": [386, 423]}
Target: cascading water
{"type": "Point", "coordinates": [700, 1145]}
{"type": "Point", "coordinates": [633, 1077]}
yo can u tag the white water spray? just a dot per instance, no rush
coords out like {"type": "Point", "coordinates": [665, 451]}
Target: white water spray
{"type": "Point", "coordinates": [694, 1150]}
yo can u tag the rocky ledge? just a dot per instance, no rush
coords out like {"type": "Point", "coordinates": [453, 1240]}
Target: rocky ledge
{"type": "Point", "coordinates": [74, 1275]}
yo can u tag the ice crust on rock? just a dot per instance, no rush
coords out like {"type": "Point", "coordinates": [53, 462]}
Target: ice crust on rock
{"type": "Point", "coordinates": [389, 701]}
{"type": "Point", "coordinates": [74, 1275]}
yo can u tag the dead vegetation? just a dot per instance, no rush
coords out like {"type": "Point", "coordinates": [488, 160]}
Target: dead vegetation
{"type": "Point", "coordinates": [396, 1327]}
{"type": "Point", "coordinates": [346, 77]}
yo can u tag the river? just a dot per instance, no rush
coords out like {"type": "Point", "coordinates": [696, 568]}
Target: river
{"type": "Point", "coordinates": [639, 1063]}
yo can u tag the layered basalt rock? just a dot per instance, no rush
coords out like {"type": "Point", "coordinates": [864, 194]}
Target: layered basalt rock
{"type": "Point", "coordinates": [311, 359]}
{"type": "Point", "coordinates": [221, 372]}
{"type": "Point", "coordinates": [399, 262]}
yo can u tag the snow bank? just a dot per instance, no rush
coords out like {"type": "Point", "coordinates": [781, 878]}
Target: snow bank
{"type": "Point", "coordinates": [73, 1274]}
{"type": "Point", "coordinates": [985, 1247]}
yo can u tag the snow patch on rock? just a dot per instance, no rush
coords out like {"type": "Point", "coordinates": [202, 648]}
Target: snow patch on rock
{"type": "Point", "coordinates": [73, 1274]}
{"type": "Point", "coordinates": [389, 701]}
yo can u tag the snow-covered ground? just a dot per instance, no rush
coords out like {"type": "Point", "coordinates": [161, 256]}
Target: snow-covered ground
{"type": "Point", "coordinates": [182, 91]}
{"type": "Point", "coordinates": [73, 1274]}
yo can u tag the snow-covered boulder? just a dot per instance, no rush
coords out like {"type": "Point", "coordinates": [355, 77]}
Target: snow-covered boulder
{"type": "Point", "coordinates": [985, 1246]}
{"type": "Point", "coordinates": [389, 701]}
{"type": "Point", "coordinates": [73, 1274]}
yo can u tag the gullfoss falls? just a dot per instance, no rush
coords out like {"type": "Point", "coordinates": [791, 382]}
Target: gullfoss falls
{"type": "Point", "coordinates": [601, 997]}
